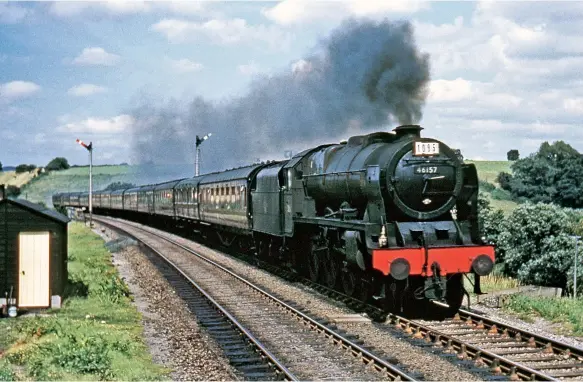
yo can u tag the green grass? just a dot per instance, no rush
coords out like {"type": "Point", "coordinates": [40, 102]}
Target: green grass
{"type": "Point", "coordinates": [489, 170]}
{"type": "Point", "coordinates": [493, 283]}
{"type": "Point", "coordinates": [97, 335]}
{"type": "Point", "coordinates": [42, 188]}
{"type": "Point", "coordinates": [567, 312]}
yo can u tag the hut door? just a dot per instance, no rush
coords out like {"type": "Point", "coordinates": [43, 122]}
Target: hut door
{"type": "Point", "coordinates": [33, 269]}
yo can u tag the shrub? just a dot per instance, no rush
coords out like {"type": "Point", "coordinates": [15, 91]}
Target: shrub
{"type": "Point", "coordinates": [58, 163]}
{"type": "Point", "coordinates": [503, 179]}
{"type": "Point", "coordinates": [24, 168]}
{"type": "Point", "coordinates": [534, 244]}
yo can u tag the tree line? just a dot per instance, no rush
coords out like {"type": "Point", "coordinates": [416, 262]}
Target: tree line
{"type": "Point", "coordinates": [56, 164]}
{"type": "Point", "coordinates": [553, 174]}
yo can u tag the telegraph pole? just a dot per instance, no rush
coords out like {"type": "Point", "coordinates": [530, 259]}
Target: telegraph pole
{"type": "Point", "coordinates": [89, 148]}
{"type": "Point", "coordinates": [199, 141]}
{"type": "Point", "coordinates": [575, 266]}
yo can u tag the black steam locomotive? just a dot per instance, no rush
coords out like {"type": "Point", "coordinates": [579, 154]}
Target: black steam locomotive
{"type": "Point", "coordinates": [385, 216]}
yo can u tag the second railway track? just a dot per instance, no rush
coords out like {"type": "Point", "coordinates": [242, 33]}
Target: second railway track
{"type": "Point", "coordinates": [309, 348]}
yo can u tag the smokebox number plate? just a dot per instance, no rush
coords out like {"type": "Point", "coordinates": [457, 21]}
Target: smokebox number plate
{"type": "Point", "coordinates": [426, 170]}
{"type": "Point", "coordinates": [426, 148]}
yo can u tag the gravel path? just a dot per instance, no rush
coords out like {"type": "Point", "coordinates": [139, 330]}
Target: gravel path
{"type": "Point", "coordinates": [433, 367]}
{"type": "Point", "coordinates": [172, 334]}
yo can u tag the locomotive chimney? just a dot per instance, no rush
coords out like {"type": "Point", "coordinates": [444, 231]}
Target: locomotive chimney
{"type": "Point", "coordinates": [405, 130]}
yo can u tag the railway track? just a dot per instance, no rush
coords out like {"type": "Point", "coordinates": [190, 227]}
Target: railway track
{"type": "Point", "coordinates": [295, 339]}
{"type": "Point", "coordinates": [485, 344]}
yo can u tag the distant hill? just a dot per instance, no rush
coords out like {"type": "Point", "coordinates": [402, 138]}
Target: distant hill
{"type": "Point", "coordinates": [8, 168]}
{"type": "Point", "coordinates": [11, 178]}
{"type": "Point", "coordinates": [487, 172]}
{"type": "Point", "coordinates": [76, 179]}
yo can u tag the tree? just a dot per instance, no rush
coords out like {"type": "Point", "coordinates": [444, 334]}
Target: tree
{"type": "Point", "coordinates": [554, 174]}
{"type": "Point", "coordinates": [0, 166]}
{"type": "Point", "coordinates": [58, 163]}
{"type": "Point", "coordinates": [119, 186]}
{"type": "Point", "coordinates": [512, 155]}
{"type": "Point", "coordinates": [24, 168]}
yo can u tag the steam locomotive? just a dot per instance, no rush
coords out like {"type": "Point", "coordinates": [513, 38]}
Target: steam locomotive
{"type": "Point", "coordinates": [389, 217]}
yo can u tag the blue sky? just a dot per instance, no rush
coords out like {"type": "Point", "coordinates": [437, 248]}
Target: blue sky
{"type": "Point", "coordinates": [504, 75]}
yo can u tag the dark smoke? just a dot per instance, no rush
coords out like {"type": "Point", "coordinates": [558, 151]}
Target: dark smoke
{"type": "Point", "coordinates": [367, 75]}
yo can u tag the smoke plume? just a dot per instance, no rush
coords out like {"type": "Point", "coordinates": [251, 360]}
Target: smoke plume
{"type": "Point", "coordinates": [366, 75]}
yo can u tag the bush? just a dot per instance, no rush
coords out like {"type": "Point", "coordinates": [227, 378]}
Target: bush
{"type": "Point", "coordinates": [490, 220]}
{"type": "Point", "coordinates": [25, 168]}
{"type": "Point", "coordinates": [534, 244]}
{"type": "Point", "coordinates": [59, 163]}
{"type": "Point", "coordinates": [12, 191]}
{"type": "Point", "coordinates": [503, 179]}
{"type": "Point", "coordinates": [119, 186]}
{"type": "Point", "coordinates": [486, 186]}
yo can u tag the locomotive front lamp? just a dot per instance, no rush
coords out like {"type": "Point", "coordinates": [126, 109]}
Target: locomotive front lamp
{"type": "Point", "coordinates": [482, 265]}
{"type": "Point", "coordinates": [400, 269]}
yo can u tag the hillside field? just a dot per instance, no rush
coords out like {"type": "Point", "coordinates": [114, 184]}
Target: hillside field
{"type": "Point", "coordinates": [41, 188]}
{"type": "Point", "coordinates": [11, 178]}
{"type": "Point", "coordinates": [487, 172]}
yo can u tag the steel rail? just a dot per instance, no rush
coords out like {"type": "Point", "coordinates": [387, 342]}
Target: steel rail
{"type": "Point", "coordinates": [557, 346]}
{"type": "Point", "coordinates": [270, 357]}
{"type": "Point", "coordinates": [378, 363]}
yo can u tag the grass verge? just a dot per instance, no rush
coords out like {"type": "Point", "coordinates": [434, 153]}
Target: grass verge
{"type": "Point", "coordinates": [567, 312]}
{"type": "Point", "coordinates": [493, 283]}
{"type": "Point", "coordinates": [97, 335]}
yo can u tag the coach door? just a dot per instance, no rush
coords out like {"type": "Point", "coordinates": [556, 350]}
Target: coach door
{"type": "Point", "coordinates": [33, 269]}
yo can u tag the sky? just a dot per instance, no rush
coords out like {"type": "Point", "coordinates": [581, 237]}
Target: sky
{"type": "Point", "coordinates": [503, 75]}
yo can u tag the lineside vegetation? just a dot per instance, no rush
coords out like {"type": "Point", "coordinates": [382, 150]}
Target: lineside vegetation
{"type": "Point", "coordinates": [97, 335]}
{"type": "Point", "coordinates": [567, 312]}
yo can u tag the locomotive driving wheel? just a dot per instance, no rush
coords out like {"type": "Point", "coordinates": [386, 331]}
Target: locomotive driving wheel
{"type": "Point", "coordinates": [349, 281]}
{"type": "Point", "coordinates": [314, 260]}
{"type": "Point", "coordinates": [332, 268]}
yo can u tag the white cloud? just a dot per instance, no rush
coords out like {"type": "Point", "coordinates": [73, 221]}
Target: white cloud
{"type": "Point", "coordinates": [573, 105]}
{"type": "Point", "coordinates": [119, 124]}
{"type": "Point", "coordinates": [185, 65]}
{"type": "Point", "coordinates": [290, 12]}
{"type": "Point", "coordinates": [96, 56]}
{"type": "Point", "coordinates": [18, 89]}
{"type": "Point", "coordinates": [301, 66]}
{"type": "Point", "coordinates": [73, 8]}
{"type": "Point", "coordinates": [119, 8]}
{"type": "Point", "coordinates": [84, 90]}
{"type": "Point", "coordinates": [221, 31]}
{"type": "Point", "coordinates": [249, 69]}
{"type": "Point", "coordinates": [11, 13]}
{"type": "Point", "coordinates": [448, 91]}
